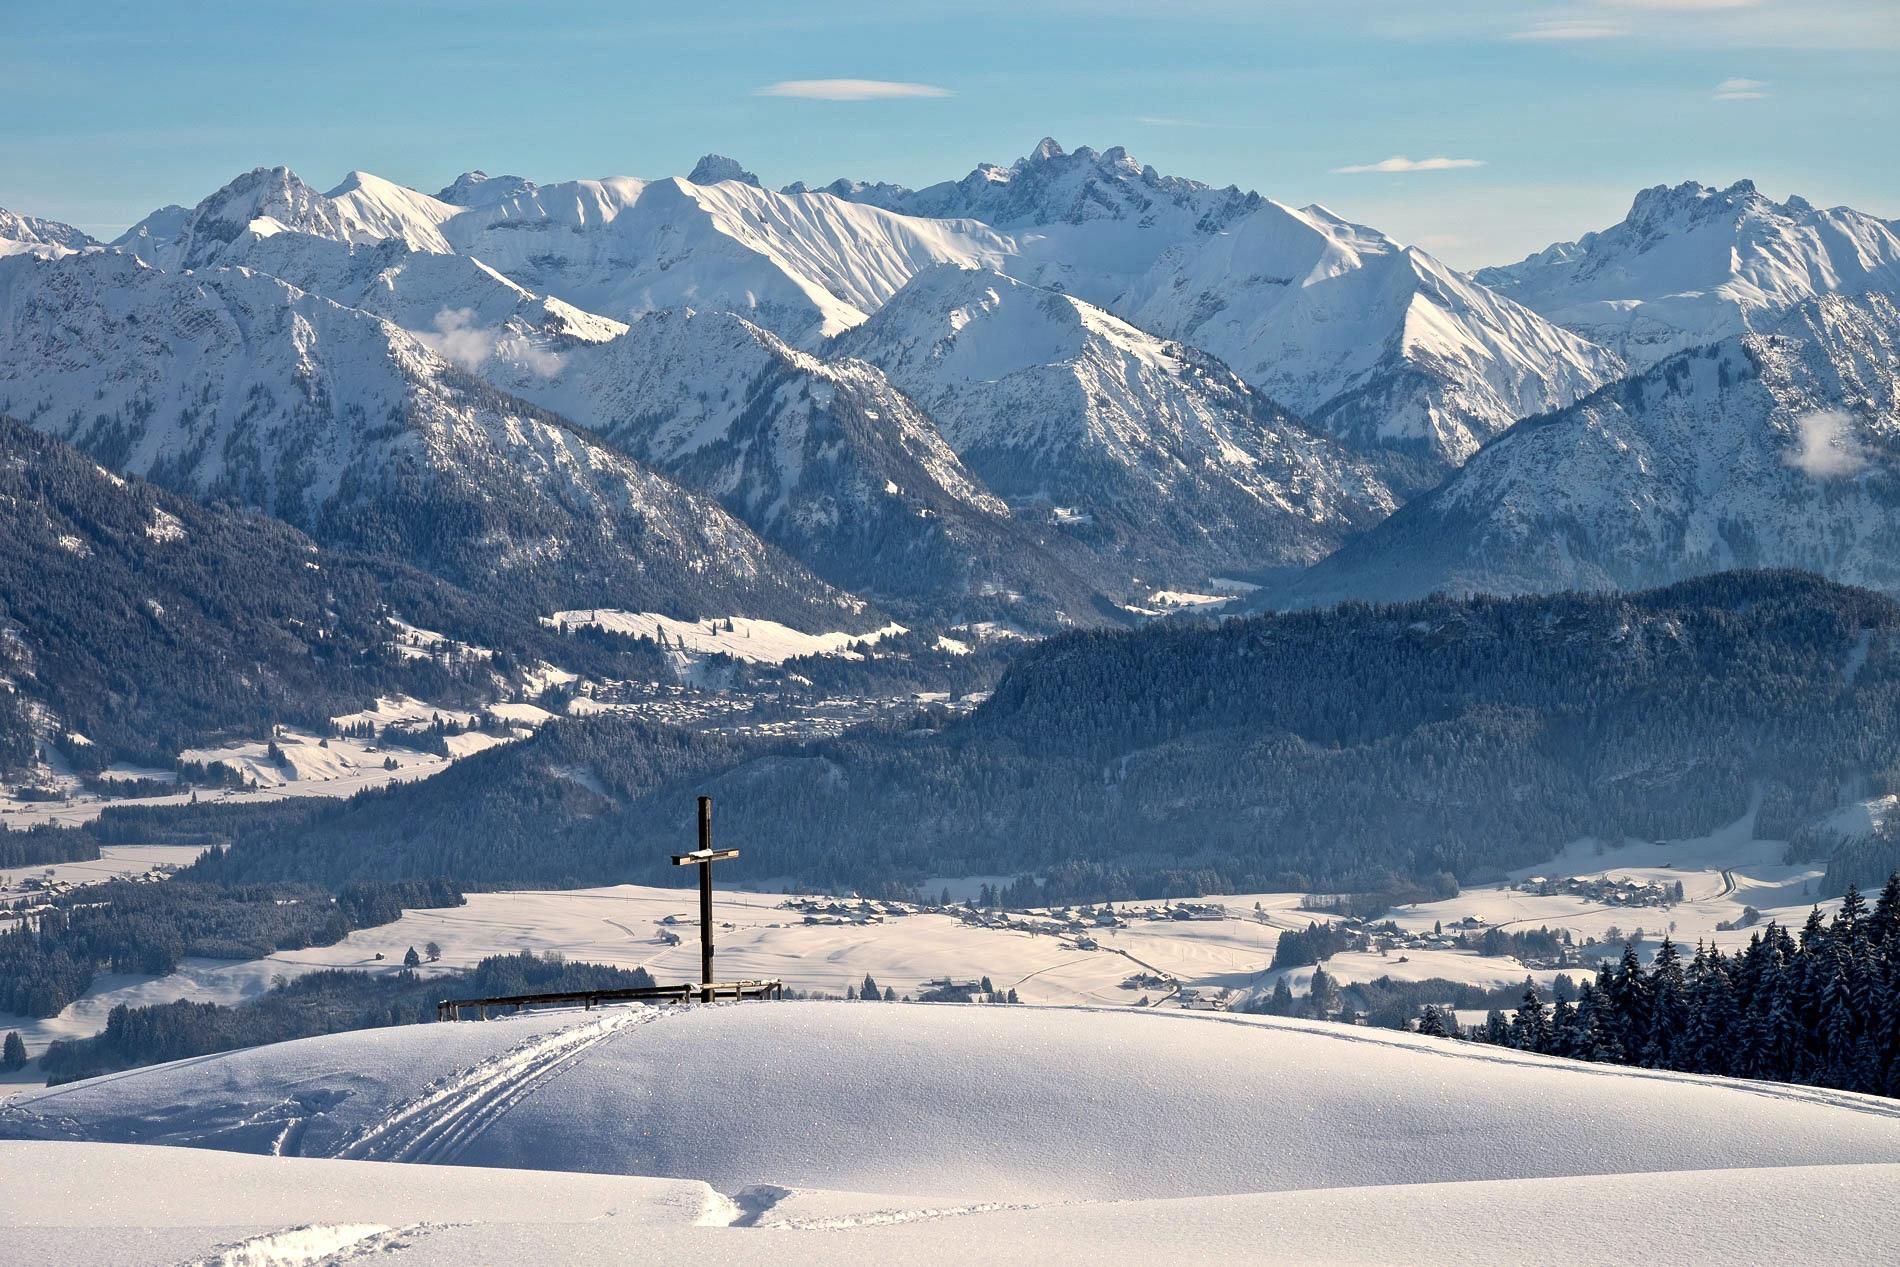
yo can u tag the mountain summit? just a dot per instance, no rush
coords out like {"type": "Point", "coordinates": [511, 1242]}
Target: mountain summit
{"type": "Point", "coordinates": [1378, 344]}
{"type": "Point", "coordinates": [1691, 264]}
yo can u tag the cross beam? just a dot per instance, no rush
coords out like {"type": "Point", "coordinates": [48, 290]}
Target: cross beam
{"type": "Point", "coordinates": [703, 857]}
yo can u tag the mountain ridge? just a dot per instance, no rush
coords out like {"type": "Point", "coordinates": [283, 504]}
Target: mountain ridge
{"type": "Point", "coordinates": [1691, 264]}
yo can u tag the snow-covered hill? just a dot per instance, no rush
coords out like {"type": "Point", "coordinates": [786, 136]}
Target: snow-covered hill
{"type": "Point", "coordinates": [1691, 265]}
{"type": "Point", "coordinates": [1378, 343]}
{"type": "Point", "coordinates": [826, 459]}
{"type": "Point", "coordinates": [1152, 453]}
{"type": "Point", "coordinates": [230, 384]}
{"type": "Point", "coordinates": [1763, 450]}
{"type": "Point", "coordinates": [988, 1123]}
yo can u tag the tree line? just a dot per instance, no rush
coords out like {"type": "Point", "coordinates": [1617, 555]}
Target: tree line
{"type": "Point", "coordinates": [1818, 1008]}
{"type": "Point", "coordinates": [50, 958]}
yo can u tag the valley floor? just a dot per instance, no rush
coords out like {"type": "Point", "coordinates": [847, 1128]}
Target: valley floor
{"type": "Point", "coordinates": [1047, 958]}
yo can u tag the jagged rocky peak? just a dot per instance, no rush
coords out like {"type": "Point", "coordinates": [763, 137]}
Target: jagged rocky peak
{"type": "Point", "coordinates": [259, 191]}
{"type": "Point", "coordinates": [1665, 205]}
{"type": "Point", "coordinates": [1692, 265]}
{"type": "Point", "coordinates": [712, 169]}
{"type": "Point", "coordinates": [478, 189]}
{"type": "Point", "coordinates": [1049, 150]}
{"type": "Point", "coordinates": [264, 193]}
{"type": "Point", "coordinates": [883, 193]}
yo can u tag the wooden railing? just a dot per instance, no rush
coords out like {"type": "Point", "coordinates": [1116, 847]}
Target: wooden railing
{"type": "Point", "coordinates": [453, 1009]}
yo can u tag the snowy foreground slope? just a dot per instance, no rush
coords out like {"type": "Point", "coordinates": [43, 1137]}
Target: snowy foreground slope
{"type": "Point", "coordinates": [820, 1131]}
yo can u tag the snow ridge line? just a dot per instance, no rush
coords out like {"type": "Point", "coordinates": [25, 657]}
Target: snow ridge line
{"type": "Point", "coordinates": [438, 1124]}
{"type": "Point", "coordinates": [1485, 1053]}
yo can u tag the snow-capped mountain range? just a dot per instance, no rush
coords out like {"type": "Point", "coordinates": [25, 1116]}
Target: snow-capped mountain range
{"type": "Point", "coordinates": [1379, 344]}
{"type": "Point", "coordinates": [1691, 265]}
{"type": "Point", "coordinates": [234, 385]}
{"type": "Point", "coordinates": [29, 235]}
{"type": "Point", "coordinates": [1141, 446]}
{"type": "Point", "coordinates": [1028, 394]}
{"type": "Point", "coordinates": [1773, 449]}
{"type": "Point", "coordinates": [825, 458]}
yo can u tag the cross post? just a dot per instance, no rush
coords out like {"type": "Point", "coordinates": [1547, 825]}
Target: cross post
{"type": "Point", "coordinates": [704, 857]}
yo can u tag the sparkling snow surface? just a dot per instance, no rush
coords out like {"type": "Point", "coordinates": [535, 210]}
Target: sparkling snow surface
{"type": "Point", "coordinates": [893, 1132]}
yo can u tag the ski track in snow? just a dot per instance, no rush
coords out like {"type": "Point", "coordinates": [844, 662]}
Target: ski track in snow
{"type": "Point", "coordinates": [313, 1245]}
{"type": "Point", "coordinates": [439, 1124]}
{"type": "Point", "coordinates": [893, 1218]}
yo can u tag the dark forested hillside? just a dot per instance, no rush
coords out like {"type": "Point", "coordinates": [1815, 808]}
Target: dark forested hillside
{"type": "Point", "coordinates": [1341, 749]}
{"type": "Point", "coordinates": [145, 621]}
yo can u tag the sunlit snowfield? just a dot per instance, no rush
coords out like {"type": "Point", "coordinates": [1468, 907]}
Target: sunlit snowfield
{"type": "Point", "coordinates": [807, 1131]}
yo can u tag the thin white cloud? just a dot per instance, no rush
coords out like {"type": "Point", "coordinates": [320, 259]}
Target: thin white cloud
{"type": "Point", "coordinates": [1571, 29]}
{"type": "Point", "coordinates": [1741, 90]}
{"type": "Point", "coordinates": [1681, 4]}
{"type": "Point", "coordinates": [848, 89]}
{"type": "Point", "coordinates": [1825, 447]}
{"type": "Point", "coordinates": [1399, 163]}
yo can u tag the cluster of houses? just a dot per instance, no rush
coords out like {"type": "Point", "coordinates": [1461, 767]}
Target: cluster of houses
{"type": "Point", "coordinates": [844, 911]}
{"type": "Point", "coordinates": [43, 890]}
{"type": "Point", "coordinates": [1606, 890]}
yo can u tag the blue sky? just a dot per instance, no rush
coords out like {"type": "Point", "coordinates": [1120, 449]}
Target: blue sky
{"type": "Point", "coordinates": [1550, 114]}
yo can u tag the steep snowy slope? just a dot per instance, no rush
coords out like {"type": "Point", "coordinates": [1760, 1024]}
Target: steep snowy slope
{"type": "Point", "coordinates": [156, 231]}
{"type": "Point", "coordinates": [454, 303]}
{"type": "Point", "coordinates": [1380, 344]}
{"type": "Point", "coordinates": [231, 384]}
{"type": "Point", "coordinates": [826, 459]}
{"type": "Point", "coordinates": [123, 610]}
{"type": "Point", "coordinates": [1777, 449]}
{"type": "Point", "coordinates": [1151, 453]}
{"type": "Point", "coordinates": [801, 265]}
{"type": "Point", "coordinates": [273, 199]}
{"type": "Point", "coordinates": [23, 235]}
{"type": "Point", "coordinates": [1691, 265]}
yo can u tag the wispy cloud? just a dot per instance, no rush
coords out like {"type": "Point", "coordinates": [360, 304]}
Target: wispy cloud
{"type": "Point", "coordinates": [1682, 4]}
{"type": "Point", "coordinates": [459, 339]}
{"type": "Point", "coordinates": [1741, 90]}
{"type": "Point", "coordinates": [1825, 446]}
{"type": "Point", "coordinates": [1399, 163]}
{"type": "Point", "coordinates": [848, 89]}
{"type": "Point", "coordinates": [1571, 29]}
{"type": "Point", "coordinates": [1167, 121]}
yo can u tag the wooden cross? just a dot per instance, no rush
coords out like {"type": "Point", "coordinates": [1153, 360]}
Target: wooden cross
{"type": "Point", "coordinates": [704, 857]}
